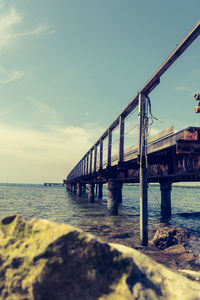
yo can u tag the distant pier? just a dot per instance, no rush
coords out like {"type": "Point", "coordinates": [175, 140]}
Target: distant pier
{"type": "Point", "coordinates": [53, 184]}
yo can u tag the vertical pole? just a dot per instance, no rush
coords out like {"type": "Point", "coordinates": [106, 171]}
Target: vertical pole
{"type": "Point", "coordinates": [87, 162]}
{"type": "Point", "coordinates": [84, 166]}
{"type": "Point", "coordinates": [101, 155]}
{"type": "Point", "coordinates": [143, 172]}
{"type": "Point", "coordinates": [81, 167]}
{"type": "Point", "coordinates": [95, 158]}
{"type": "Point", "coordinates": [121, 138]}
{"type": "Point", "coordinates": [91, 152]}
{"type": "Point", "coordinates": [166, 187]}
{"type": "Point", "coordinates": [109, 147]}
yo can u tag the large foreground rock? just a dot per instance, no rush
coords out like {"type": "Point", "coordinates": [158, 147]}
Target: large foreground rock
{"type": "Point", "coordinates": [43, 260]}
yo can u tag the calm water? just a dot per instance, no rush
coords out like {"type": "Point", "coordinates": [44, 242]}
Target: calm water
{"type": "Point", "coordinates": [57, 204]}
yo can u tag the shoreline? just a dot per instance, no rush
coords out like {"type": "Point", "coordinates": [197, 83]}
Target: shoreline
{"type": "Point", "coordinates": [178, 257]}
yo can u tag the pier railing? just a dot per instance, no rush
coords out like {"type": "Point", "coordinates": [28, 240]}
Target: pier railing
{"type": "Point", "coordinates": [90, 163]}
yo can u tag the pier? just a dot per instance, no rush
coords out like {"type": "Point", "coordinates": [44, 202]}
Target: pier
{"type": "Point", "coordinates": [165, 158]}
{"type": "Point", "coordinates": [53, 184]}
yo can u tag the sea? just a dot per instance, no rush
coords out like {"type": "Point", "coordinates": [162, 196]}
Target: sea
{"type": "Point", "coordinates": [57, 204]}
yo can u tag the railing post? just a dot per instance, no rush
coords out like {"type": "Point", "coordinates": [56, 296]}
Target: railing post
{"type": "Point", "coordinates": [109, 147]}
{"type": "Point", "coordinates": [121, 138]}
{"type": "Point", "coordinates": [101, 154]}
{"type": "Point", "coordinates": [91, 152]}
{"type": "Point", "coordinates": [95, 158]}
{"type": "Point", "coordinates": [143, 172]}
{"type": "Point", "coordinates": [87, 162]}
{"type": "Point", "coordinates": [84, 166]}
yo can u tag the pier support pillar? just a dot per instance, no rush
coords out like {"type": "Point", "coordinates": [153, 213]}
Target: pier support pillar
{"type": "Point", "coordinates": [100, 195]}
{"type": "Point", "coordinates": [74, 188]}
{"type": "Point", "coordinates": [96, 192]}
{"type": "Point", "coordinates": [120, 193]}
{"type": "Point", "coordinates": [166, 187]}
{"type": "Point", "coordinates": [114, 190]}
{"type": "Point", "coordinates": [91, 192]}
{"type": "Point", "coordinates": [79, 189]}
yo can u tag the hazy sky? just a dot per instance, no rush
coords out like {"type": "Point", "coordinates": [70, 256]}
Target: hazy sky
{"type": "Point", "coordinates": [68, 68]}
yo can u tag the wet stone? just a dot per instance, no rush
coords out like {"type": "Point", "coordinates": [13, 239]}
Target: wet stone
{"type": "Point", "coordinates": [169, 236]}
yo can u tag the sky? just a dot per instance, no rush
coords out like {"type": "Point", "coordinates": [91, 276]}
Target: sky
{"type": "Point", "coordinates": [69, 67]}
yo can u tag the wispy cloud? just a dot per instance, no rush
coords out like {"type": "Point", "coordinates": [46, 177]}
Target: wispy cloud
{"type": "Point", "coordinates": [190, 83]}
{"type": "Point", "coordinates": [9, 18]}
{"type": "Point", "coordinates": [42, 28]}
{"type": "Point", "coordinates": [182, 88]}
{"type": "Point", "coordinates": [9, 76]}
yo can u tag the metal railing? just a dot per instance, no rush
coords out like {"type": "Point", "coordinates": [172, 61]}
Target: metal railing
{"type": "Point", "coordinates": [88, 164]}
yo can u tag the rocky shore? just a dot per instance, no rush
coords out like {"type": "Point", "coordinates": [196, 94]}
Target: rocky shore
{"type": "Point", "coordinates": [44, 260]}
{"type": "Point", "coordinates": [178, 256]}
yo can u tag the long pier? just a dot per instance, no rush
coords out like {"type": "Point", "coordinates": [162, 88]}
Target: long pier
{"type": "Point", "coordinates": [164, 158]}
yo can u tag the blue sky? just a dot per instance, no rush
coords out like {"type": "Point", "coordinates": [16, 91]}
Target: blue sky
{"type": "Point", "coordinates": [69, 67]}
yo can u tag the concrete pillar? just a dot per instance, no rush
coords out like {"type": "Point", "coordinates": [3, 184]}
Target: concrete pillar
{"type": "Point", "coordinates": [74, 188]}
{"type": "Point", "coordinates": [96, 192]}
{"type": "Point", "coordinates": [120, 193]}
{"type": "Point", "coordinates": [114, 189]}
{"type": "Point", "coordinates": [166, 187]}
{"type": "Point", "coordinates": [100, 195]}
{"type": "Point", "coordinates": [79, 189]}
{"type": "Point", "coordinates": [91, 192]}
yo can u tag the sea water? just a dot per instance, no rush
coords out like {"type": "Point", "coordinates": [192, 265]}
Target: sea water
{"type": "Point", "coordinates": [57, 204]}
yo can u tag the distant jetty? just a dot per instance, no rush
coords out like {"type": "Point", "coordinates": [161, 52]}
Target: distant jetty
{"type": "Point", "coordinates": [53, 183]}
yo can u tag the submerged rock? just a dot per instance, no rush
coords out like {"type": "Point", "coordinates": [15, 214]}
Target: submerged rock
{"type": "Point", "coordinates": [43, 260]}
{"type": "Point", "coordinates": [168, 236]}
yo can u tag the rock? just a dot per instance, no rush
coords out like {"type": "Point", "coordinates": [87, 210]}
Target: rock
{"type": "Point", "coordinates": [169, 236]}
{"type": "Point", "coordinates": [175, 249]}
{"type": "Point", "coordinates": [42, 260]}
{"type": "Point", "coordinates": [193, 275]}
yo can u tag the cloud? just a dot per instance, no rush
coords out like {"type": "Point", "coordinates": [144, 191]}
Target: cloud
{"type": "Point", "coordinates": [9, 76]}
{"type": "Point", "coordinates": [8, 21]}
{"type": "Point", "coordinates": [42, 28]}
{"type": "Point", "coordinates": [183, 88]}
{"type": "Point", "coordinates": [31, 155]}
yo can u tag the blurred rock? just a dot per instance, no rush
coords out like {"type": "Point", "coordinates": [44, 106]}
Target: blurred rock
{"type": "Point", "coordinates": [42, 260]}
